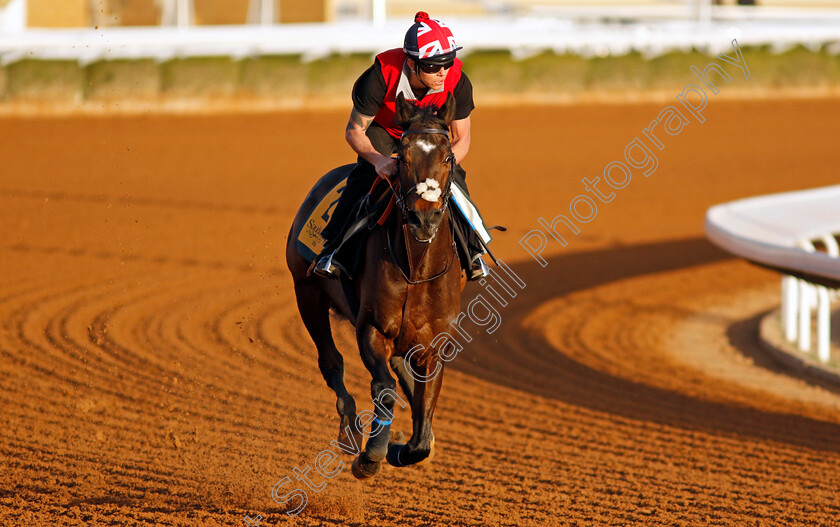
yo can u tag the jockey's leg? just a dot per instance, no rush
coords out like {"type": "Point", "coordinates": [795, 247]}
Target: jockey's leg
{"type": "Point", "coordinates": [470, 247]}
{"type": "Point", "coordinates": [358, 183]}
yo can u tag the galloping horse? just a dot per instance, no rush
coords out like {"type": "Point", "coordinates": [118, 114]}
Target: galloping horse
{"type": "Point", "coordinates": [407, 292]}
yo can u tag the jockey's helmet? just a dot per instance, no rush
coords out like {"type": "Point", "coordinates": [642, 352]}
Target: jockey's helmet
{"type": "Point", "coordinates": [430, 41]}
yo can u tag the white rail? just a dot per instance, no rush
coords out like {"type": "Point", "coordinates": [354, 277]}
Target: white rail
{"type": "Point", "coordinates": [523, 36]}
{"type": "Point", "coordinates": [781, 231]}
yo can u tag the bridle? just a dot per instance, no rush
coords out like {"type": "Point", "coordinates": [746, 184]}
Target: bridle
{"type": "Point", "coordinates": [401, 197]}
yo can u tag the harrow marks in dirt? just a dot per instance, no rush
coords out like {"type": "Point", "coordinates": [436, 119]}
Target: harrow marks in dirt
{"type": "Point", "coordinates": [154, 371]}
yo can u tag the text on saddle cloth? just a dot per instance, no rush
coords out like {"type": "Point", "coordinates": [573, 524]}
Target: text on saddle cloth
{"type": "Point", "coordinates": [309, 239]}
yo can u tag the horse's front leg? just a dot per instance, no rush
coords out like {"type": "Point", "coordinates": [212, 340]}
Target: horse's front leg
{"type": "Point", "coordinates": [428, 380]}
{"type": "Point", "coordinates": [376, 350]}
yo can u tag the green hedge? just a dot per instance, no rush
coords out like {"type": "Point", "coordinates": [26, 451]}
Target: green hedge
{"type": "Point", "coordinates": [44, 80]}
{"type": "Point", "coordinates": [115, 79]}
{"type": "Point", "coordinates": [495, 72]}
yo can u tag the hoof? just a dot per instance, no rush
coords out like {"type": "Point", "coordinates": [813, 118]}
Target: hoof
{"type": "Point", "coordinates": [362, 468]}
{"type": "Point", "coordinates": [396, 437]}
{"type": "Point", "coordinates": [428, 460]}
{"type": "Point", "coordinates": [393, 456]}
{"type": "Point", "coordinates": [398, 457]}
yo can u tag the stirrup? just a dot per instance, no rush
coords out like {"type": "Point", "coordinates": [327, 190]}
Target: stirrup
{"type": "Point", "coordinates": [325, 267]}
{"type": "Point", "coordinates": [478, 270]}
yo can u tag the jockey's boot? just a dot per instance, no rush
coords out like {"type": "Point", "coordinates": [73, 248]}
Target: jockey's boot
{"type": "Point", "coordinates": [478, 269]}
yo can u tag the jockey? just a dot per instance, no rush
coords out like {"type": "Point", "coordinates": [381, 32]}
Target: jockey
{"type": "Point", "coordinates": [426, 71]}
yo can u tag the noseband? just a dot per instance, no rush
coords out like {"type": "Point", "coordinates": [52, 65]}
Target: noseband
{"type": "Point", "coordinates": [401, 197]}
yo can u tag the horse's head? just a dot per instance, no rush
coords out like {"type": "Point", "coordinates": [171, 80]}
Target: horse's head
{"type": "Point", "coordinates": [425, 165]}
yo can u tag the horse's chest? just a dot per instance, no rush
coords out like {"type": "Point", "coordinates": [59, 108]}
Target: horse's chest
{"type": "Point", "coordinates": [429, 309]}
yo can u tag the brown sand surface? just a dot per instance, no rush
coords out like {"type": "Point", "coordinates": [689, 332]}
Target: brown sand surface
{"type": "Point", "coordinates": [154, 370]}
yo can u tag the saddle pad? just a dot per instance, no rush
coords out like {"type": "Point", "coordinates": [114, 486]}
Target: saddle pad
{"type": "Point", "coordinates": [470, 213]}
{"type": "Point", "coordinates": [309, 240]}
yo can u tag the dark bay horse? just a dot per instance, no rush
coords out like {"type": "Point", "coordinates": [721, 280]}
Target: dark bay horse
{"type": "Point", "coordinates": [407, 291]}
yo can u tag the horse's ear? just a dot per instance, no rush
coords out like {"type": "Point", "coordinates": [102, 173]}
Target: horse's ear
{"type": "Point", "coordinates": [447, 111]}
{"type": "Point", "coordinates": [404, 109]}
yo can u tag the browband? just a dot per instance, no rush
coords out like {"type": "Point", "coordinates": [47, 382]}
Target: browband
{"type": "Point", "coordinates": [425, 131]}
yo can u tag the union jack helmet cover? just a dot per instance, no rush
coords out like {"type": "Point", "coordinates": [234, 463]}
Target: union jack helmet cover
{"type": "Point", "coordinates": [429, 40]}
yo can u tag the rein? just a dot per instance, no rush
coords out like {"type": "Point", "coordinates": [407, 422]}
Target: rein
{"type": "Point", "coordinates": [407, 278]}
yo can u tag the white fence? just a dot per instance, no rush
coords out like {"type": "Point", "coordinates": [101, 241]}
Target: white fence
{"type": "Point", "coordinates": [783, 231]}
{"type": "Point", "coordinates": [592, 31]}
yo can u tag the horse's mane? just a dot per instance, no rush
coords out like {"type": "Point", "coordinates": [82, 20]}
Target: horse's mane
{"type": "Point", "coordinates": [425, 117]}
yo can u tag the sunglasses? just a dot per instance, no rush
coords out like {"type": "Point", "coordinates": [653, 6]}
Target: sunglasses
{"type": "Point", "coordinates": [434, 68]}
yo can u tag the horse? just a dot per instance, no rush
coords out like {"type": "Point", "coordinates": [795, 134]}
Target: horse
{"type": "Point", "coordinates": [407, 291]}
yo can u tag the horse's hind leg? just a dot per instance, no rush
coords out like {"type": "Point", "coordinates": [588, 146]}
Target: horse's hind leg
{"type": "Point", "coordinates": [314, 307]}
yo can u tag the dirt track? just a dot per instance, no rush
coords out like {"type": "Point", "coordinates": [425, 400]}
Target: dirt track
{"type": "Point", "coordinates": [154, 371]}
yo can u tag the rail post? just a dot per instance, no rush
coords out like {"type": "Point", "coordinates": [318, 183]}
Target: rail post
{"type": "Point", "coordinates": [790, 299]}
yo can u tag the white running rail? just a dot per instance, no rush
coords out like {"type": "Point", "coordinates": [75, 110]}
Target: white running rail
{"type": "Point", "coordinates": [783, 231]}
{"type": "Point", "coordinates": [523, 36]}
